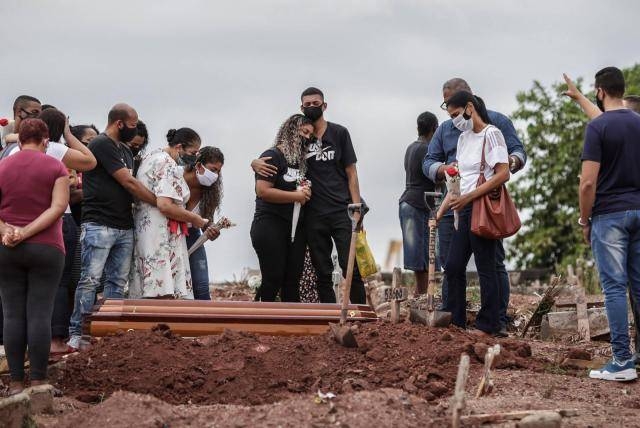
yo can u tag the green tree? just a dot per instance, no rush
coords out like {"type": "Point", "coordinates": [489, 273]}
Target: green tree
{"type": "Point", "coordinates": [552, 130]}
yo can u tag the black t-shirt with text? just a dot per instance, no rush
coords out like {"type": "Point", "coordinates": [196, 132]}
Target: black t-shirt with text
{"type": "Point", "coordinates": [416, 183]}
{"type": "Point", "coordinates": [105, 201]}
{"type": "Point", "coordinates": [326, 162]}
{"type": "Point", "coordinates": [285, 179]}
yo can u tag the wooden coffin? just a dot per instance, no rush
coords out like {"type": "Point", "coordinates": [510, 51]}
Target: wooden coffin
{"type": "Point", "coordinates": [192, 318]}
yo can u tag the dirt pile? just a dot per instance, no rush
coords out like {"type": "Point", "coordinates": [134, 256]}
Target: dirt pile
{"type": "Point", "coordinates": [384, 407]}
{"type": "Point", "coordinates": [242, 368]}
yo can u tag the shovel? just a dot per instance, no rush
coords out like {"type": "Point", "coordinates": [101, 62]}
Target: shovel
{"type": "Point", "coordinates": [433, 317]}
{"type": "Point", "coordinates": [342, 332]}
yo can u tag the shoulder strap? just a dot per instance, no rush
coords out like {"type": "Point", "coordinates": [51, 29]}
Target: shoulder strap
{"type": "Point", "coordinates": [483, 162]}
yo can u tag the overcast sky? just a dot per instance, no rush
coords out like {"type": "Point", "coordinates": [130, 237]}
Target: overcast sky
{"type": "Point", "coordinates": [234, 70]}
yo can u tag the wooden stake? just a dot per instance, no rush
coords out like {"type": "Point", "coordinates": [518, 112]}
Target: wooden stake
{"type": "Point", "coordinates": [396, 282]}
{"type": "Point", "coordinates": [458, 400]}
{"type": "Point", "coordinates": [581, 309]}
{"type": "Point", "coordinates": [486, 384]}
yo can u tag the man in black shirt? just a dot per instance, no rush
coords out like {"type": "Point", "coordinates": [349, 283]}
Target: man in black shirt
{"type": "Point", "coordinates": [331, 168]}
{"type": "Point", "coordinates": [413, 213]}
{"type": "Point", "coordinates": [107, 219]}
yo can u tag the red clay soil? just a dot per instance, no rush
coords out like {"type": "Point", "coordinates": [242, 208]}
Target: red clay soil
{"type": "Point", "coordinates": [240, 368]}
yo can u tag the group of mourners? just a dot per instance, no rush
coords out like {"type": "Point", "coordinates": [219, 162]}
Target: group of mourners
{"type": "Point", "coordinates": [136, 214]}
{"type": "Point", "coordinates": [609, 205]}
{"type": "Point", "coordinates": [83, 212]}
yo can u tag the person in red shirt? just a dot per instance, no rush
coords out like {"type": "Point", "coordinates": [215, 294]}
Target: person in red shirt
{"type": "Point", "coordinates": [34, 192]}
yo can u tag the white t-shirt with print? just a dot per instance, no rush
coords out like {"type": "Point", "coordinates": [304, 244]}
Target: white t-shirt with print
{"type": "Point", "coordinates": [469, 155]}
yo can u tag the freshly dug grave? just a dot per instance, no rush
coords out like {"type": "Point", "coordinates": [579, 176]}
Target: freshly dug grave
{"type": "Point", "coordinates": [240, 368]}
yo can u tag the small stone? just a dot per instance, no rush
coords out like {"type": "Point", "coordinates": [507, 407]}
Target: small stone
{"type": "Point", "coordinates": [541, 420]}
{"type": "Point", "coordinates": [14, 410]}
{"type": "Point", "coordinates": [409, 387]}
{"type": "Point", "coordinates": [41, 398]}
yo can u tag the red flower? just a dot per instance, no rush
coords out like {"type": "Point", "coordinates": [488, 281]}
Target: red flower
{"type": "Point", "coordinates": [452, 171]}
{"type": "Point", "coordinates": [4, 121]}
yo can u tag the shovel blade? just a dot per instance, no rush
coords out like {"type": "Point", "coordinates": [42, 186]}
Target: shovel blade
{"type": "Point", "coordinates": [431, 318]}
{"type": "Point", "coordinates": [343, 335]}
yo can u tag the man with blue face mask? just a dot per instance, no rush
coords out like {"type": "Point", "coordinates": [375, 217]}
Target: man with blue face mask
{"type": "Point", "coordinates": [442, 154]}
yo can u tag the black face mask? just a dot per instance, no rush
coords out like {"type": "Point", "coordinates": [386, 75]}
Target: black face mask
{"type": "Point", "coordinates": [312, 113]}
{"type": "Point", "coordinates": [599, 103]}
{"type": "Point", "coordinates": [466, 115]}
{"type": "Point", "coordinates": [188, 159]}
{"type": "Point", "coordinates": [305, 141]}
{"type": "Point", "coordinates": [127, 134]}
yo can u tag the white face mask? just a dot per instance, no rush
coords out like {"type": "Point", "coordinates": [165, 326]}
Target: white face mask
{"type": "Point", "coordinates": [207, 178]}
{"type": "Point", "coordinates": [462, 123]}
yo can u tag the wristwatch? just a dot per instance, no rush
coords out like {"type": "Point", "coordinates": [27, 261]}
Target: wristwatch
{"type": "Point", "coordinates": [582, 223]}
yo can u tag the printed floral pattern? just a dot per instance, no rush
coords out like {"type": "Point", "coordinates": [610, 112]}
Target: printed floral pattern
{"type": "Point", "coordinates": [160, 259]}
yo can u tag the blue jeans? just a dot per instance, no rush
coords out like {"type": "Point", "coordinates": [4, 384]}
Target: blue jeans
{"type": "Point", "coordinates": [445, 233]}
{"type": "Point", "coordinates": [415, 237]}
{"type": "Point", "coordinates": [463, 244]}
{"type": "Point", "coordinates": [199, 267]}
{"type": "Point", "coordinates": [615, 241]}
{"type": "Point", "coordinates": [103, 249]}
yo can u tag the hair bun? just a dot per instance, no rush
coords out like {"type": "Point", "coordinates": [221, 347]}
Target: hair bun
{"type": "Point", "coordinates": [171, 134]}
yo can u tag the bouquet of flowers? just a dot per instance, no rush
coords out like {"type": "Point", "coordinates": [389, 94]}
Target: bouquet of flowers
{"type": "Point", "coordinates": [452, 176]}
{"type": "Point", "coordinates": [301, 183]}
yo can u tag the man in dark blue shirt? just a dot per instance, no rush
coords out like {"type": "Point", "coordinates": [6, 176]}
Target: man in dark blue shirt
{"type": "Point", "coordinates": [610, 212]}
{"type": "Point", "coordinates": [441, 154]}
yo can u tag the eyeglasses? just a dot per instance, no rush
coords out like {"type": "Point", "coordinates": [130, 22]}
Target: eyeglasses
{"type": "Point", "coordinates": [30, 114]}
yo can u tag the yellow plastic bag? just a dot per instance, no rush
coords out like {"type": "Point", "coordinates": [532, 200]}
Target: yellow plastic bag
{"type": "Point", "coordinates": [364, 257]}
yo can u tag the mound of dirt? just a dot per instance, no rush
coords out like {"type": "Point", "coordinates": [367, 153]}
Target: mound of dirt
{"type": "Point", "coordinates": [385, 407]}
{"type": "Point", "coordinates": [242, 368]}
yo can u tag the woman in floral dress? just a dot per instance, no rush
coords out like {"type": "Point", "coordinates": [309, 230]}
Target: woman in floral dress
{"type": "Point", "coordinates": [160, 260]}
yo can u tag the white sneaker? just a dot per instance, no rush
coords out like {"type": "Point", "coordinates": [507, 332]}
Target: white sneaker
{"type": "Point", "coordinates": [74, 342]}
{"type": "Point", "coordinates": [615, 370]}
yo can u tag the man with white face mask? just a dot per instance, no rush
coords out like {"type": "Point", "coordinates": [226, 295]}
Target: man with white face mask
{"type": "Point", "coordinates": [442, 154]}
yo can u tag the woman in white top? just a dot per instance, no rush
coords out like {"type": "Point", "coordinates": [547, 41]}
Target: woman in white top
{"type": "Point", "coordinates": [469, 115]}
{"type": "Point", "coordinates": [160, 259]}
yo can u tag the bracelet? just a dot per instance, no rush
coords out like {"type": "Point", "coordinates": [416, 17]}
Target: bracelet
{"type": "Point", "coordinates": [582, 223]}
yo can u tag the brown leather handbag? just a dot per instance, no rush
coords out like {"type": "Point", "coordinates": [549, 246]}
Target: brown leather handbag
{"type": "Point", "coordinates": [494, 215]}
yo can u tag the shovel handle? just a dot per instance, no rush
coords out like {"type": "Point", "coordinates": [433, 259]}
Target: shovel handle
{"type": "Point", "coordinates": [437, 197]}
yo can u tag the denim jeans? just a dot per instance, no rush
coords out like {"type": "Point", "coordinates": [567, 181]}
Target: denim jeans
{"type": "Point", "coordinates": [615, 241]}
{"type": "Point", "coordinates": [463, 244]}
{"type": "Point", "coordinates": [103, 249]}
{"type": "Point", "coordinates": [415, 237]}
{"type": "Point", "coordinates": [445, 233]}
{"type": "Point", "coordinates": [199, 267]}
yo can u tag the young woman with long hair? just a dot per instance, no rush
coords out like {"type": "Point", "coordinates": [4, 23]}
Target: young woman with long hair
{"type": "Point", "coordinates": [281, 260]}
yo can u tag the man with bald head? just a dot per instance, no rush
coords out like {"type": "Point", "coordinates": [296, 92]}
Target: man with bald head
{"type": "Point", "coordinates": [441, 154]}
{"type": "Point", "coordinates": [107, 218]}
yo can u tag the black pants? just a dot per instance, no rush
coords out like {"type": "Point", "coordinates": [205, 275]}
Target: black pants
{"type": "Point", "coordinates": [61, 307]}
{"type": "Point", "coordinates": [28, 286]}
{"type": "Point", "coordinates": [463, 244]}
{"type": "Point", "coordinates": [281, 261]}
{"type": "Point", "coordinates": [320, 230]}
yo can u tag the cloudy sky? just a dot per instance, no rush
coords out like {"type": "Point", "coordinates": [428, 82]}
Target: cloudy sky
{"type": "Point", "coordinates": [233, 70]}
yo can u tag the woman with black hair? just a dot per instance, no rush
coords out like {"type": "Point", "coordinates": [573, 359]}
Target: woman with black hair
{"type": "Point", "coordinates": [281, 260]}
{"type": "Point", "coordinates": [481, 149]}
{"type": "Point", "coordinates": [138, 144]}
{"type": "Point", "coordinates": [203, 174]}
{"type": "Point", "coordinates": [160, 259]}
